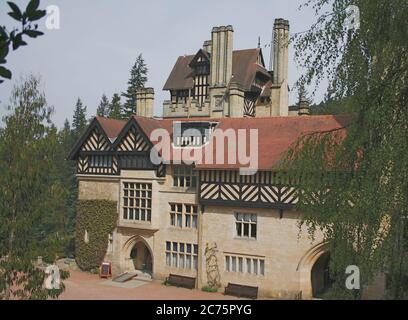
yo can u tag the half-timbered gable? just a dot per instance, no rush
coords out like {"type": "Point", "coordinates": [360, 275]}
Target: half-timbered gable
{"type": "Point", "coordinates": [134, 141]}
{"type": "Point", "coordinates": [97, 141]}
{"type": "Point", "coordinates": [94, 151]}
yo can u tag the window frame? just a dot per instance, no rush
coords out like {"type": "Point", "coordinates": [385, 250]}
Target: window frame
{"type": "Point", "coordinates": [184, 215]}
{"type": "Point", "coordinates": [176, 254]}
{"type": "Point", "coordinates": [136, 201]}
{"type": "Point", "coordinates": [246, 225]}
{"type": "Point", "coordinates": [244, 265]}
{"type": "Point", "coordinates": [183, 173]}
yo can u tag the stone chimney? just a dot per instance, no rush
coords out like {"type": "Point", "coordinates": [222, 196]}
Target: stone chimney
{"type": "Point", "coordinates": [304, 107]}
{"type": "Point", "coordinates": [145, 102]}
{"type": "Point", "coordinates": [280, 51]}
{"type": "Point", "coordinates": [221, 55]}
{"type": "Point", "coordinates": [207, 46]}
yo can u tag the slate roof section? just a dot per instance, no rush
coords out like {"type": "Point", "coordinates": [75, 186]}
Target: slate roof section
{"type": "Point", "coordinates": [244, 69]}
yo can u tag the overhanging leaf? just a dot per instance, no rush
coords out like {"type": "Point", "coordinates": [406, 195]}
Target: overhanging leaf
{"type": "Point", "coordinates": [37, 15]}
{"type": "Point", "coordinates": [33, 33]}
{"type": "Point", "coordinates": [5, 73]}
{"type": "Point", "coordinates": [3, 33]}
{"type": "Point", "coordinates": [32, 6]}
{"type": "Point", "coordinates": [16, 10]}
{"type": "Point", "coordinates": [4, 50]}
{"type": "Point", "coordinates": [15, 16]}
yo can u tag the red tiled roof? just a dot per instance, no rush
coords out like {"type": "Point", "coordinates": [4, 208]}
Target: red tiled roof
{"type": "Point", "coordinates": [112, 127]}
{"type": "Point", "coordinates": [275, 135]}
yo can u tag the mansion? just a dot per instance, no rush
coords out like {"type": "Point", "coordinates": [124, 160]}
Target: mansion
{"type": "Point", "coordinates": [209, 220]}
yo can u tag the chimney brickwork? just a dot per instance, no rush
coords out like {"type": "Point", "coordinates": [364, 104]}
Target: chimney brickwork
{"type": "Point", "coordinates": [145, 102]}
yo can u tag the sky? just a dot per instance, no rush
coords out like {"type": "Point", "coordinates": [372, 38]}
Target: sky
{"type": "Point", "coordinates": [98, 41]}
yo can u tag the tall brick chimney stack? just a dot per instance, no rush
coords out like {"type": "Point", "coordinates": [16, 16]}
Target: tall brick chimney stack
{"type": "Point", "coordinates": [280, 52]}
{"type": "Point", "coordinates": [221, 55]}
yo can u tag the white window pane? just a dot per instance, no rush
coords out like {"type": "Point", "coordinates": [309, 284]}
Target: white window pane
{"type": "Point", "coordinates": [181, 261]}
{"type": "Point", "coordinates": [168, 259]}
{"type": "Point", "coordinates": [188, 262]}
{"type": "Point", "coordinates": [233, 264]}
{"type": "Point", "coordinates": [262, 267]}
{"type": "Point", "coordinates": [255, 263]}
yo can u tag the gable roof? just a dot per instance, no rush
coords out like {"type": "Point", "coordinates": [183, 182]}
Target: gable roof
{"type": "Point", "coordinates": [200, 53]}
{"type": "Point", "coordinates": [110, 128]}
{"type": "Point", "coordinates": [244, 70]}
{"type": "Point", "coordinates": [275, 135]}
{"type": "Point", "coordinates": [181, 77]}
{"type": "Point", "coordinates": [245, 67]}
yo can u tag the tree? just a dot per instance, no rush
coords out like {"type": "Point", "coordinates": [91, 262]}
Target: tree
{"type": "Point", "coordinates": [115, 107]}
{"type": "Point", "coordinates": [14, 38]}
{"type": "Point", "coordinates": [355, 186]}
{"type": "Point", "coordinates": [32, 199]}
{"type": "Point", "coordinates": [138, 79]}
{"type": "Point", "coordinates": [103, 108]}
{"type": "Point", "coordinates": [66, 170]}
{"type": "Point", "coordinates": [79, 122]}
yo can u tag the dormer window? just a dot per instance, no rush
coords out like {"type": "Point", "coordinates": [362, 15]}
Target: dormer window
{"type": "Point", "coordinates": [192, 134]}
{"type": "Point", "coordinates": [201, 67]}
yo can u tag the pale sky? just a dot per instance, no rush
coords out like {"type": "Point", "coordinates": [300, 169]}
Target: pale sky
{"type": "Point", "coordinates": [98, 41]}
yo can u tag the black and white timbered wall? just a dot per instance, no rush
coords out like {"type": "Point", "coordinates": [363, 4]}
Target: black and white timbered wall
{"type": "Point", "coordinates": [98, 156]}
{"type": "Point", "coordinates": [265, 189]}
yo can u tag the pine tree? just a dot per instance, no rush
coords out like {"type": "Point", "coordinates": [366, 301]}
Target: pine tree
{"type": "Point", "coordinates": [138, 79]}
{"type": "Point", "coordinates": [103, 108]}
{"type": "Point", "coordinates": [32, 197]}
{"type": "Point", "coordinates": [79, 119]}
{"type": "Point", "coordinates": [115, 107]}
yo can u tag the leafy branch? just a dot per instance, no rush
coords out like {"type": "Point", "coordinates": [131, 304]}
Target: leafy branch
{"type": "Point", "coordinates": [14, 38]}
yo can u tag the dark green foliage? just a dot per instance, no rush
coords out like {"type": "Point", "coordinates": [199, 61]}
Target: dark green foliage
{"type": "Point", "coordinates": [103, 108]}
{"type": "Point", "coordinates": [79, 122]}
{"type": "Point", "coordinates": [33, 199]}
{"type": "Point", "coordinates": [66, 172]}
{"type": "Point", "coordinates": [355, 189]}
{"type": "Point", "coordinates": [98, 218]}
{"type": "Point", "coordinates": [14, 38]}
{"type": "Point", "coordinates": [115, 107]}
{"type": "Point", "coordinates": [138, 79]}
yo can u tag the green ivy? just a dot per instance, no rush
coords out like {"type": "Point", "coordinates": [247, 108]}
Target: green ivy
{"type": "Point", "coordinates": [98, 218]}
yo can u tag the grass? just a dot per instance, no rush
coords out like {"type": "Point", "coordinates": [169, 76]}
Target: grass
{"type": "Point", "coordinates": [209, 289]}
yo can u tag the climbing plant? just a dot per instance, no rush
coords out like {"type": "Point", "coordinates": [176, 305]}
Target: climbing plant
{"type": "Point", "coordinates": [211, 263]}
{"type": "Point", "coordinates": [96, 219]}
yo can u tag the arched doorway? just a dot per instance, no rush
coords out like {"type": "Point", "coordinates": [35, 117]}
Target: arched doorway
{"type": "Point", "coordinates": [320, 275]}
{"type": "Point", "coordinates": [141, 258]}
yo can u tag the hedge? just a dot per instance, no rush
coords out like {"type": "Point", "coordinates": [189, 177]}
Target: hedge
{"type": "Point", "coordinates": [98, 218]}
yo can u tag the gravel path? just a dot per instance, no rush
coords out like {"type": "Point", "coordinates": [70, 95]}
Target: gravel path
{"type": "Point", "coordinates": [85, 286]}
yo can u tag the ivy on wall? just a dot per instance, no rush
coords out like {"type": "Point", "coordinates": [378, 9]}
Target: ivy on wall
{"type": "Point", "coordinates": [96, 219]}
